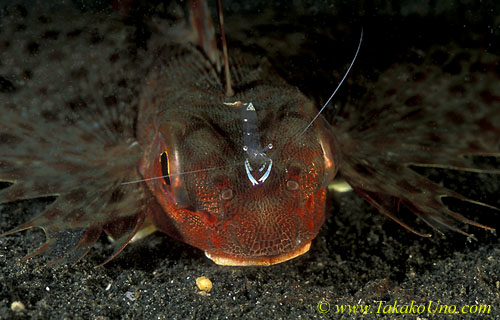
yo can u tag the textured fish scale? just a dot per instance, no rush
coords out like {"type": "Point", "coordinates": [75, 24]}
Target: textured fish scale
{"type": "Point", "coordinates": [68, 90]}
{"type": "Point", "coordinates": [431, 113]}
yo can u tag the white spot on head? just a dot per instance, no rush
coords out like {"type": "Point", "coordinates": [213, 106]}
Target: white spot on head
{"type": "Point", "coordinates": [227, 194]}
{"type": "Point", "coordinates": [292, 185]}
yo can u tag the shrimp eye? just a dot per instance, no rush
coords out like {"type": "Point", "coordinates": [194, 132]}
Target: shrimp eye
{"type": "Point", "coordinates": [164, 167]}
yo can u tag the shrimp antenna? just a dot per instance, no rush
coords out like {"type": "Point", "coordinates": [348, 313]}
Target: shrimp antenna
{"type": "Point", "coordinates": [338, 86]}
{"type": "Point", "coordinates": [229, 88]}
{"type": "Point", "coordinates": [177, 174]}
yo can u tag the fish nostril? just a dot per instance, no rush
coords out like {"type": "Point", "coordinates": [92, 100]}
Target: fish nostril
{"type": "Point", "coordinates": [292, 185]}
{"type": "Point", "coordinates": [227, 194]}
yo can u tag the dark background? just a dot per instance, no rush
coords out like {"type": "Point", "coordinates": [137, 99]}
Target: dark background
{"type": "Point", "coordinates": [359, 256]}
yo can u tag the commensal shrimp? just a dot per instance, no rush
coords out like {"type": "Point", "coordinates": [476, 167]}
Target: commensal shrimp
{"type": "Point", "coordinates": [216, 149]}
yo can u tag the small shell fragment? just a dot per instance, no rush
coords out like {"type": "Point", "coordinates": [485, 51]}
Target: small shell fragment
{"type": "Point", "coordinates": [17, 306]}
{"type": "Point", "coordinates": [204, 284]}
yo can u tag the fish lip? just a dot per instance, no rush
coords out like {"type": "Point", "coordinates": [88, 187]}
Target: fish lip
{"type": "Point", "coordinates": [227, 260]}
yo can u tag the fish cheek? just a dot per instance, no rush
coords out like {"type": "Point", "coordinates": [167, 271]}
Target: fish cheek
{"type": "Point", "coordinates": [192, 216]}
{"type": "Point", "coordinates": [196, 227]}
{"type": "Point", "coordinates": [311, 165]}
{"type": "Point", "coordinates": [171, 211]}
{"type": "Point", "coordinates": [182, 223]}
{"type": "Point", "coordinates": [315, 211]}
{"type": "Point", "coordinates": [303, 181]}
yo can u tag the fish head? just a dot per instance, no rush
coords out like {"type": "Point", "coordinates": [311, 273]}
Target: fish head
{"type": "Point", "coordinates": [239, 209]}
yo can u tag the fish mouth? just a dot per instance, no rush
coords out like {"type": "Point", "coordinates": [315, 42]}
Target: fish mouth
{"type": "Point", "coordinates": [228, 260]}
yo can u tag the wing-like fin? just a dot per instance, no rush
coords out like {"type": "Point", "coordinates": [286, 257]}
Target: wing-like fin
{"type": "Point", "coordinates": [432, 114]}
{"type": "Point", "coordinates": [385, 205]}
{"type": "Point", "coordinates": [21, 191]}
{"type": "Point", "coordinates": [68, 126]}
{"type": "Point", "coordinates": [133, 227]}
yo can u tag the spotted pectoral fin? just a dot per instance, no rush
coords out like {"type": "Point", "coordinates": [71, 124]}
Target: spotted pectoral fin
{"type": "Point", "coordinates": [68, 124]}
{"type": "Point", "coordinates": [423, 115]}
{"type": "Point", "coordinates": [389, 188]}
{"type": "Point", "coordinates": [84, 175]}
{"type": "Point", "coordinates": [76, 219]}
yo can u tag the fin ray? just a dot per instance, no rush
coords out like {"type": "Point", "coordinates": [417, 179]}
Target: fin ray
{"type": "Point", "coordinates": [420, 115]}
{"type": "Point", "coordinates": [68, 126]}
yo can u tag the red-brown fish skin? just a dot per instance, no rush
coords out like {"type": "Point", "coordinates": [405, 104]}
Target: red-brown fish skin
{"type": "Point", "coordinates": [188, 117]}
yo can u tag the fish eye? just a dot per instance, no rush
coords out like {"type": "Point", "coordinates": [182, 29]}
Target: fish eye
{"type": "Point", "coordinates": [227, 194]}
{"type": "Point", "coordinates": [164, 168]}
{"type": "Point", "coordinates": [292, 185]}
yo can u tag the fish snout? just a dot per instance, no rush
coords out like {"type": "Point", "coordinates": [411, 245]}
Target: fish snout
{"type": "Point", "coordinates": [268, 234]}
